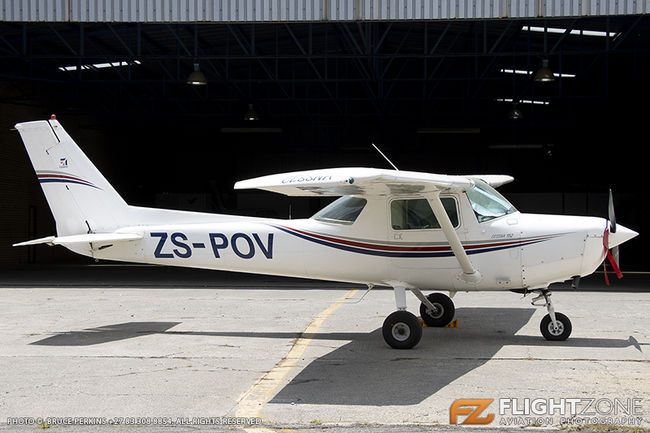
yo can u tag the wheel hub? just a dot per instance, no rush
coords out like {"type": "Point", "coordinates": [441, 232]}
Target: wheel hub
{"type": "Point", "coordinates": [436, 312]}
{"type": "Point", "coordinates": [401, 331]}
{"type": "Point", "coordinates": [556, 331]}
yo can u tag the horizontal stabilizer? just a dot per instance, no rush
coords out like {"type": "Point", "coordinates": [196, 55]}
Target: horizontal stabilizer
{"type": "Point", "coordinates": [81, 239]}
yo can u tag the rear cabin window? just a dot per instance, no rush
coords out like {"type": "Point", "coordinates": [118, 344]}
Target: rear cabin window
{"type": "Point", "coordinates": [344, 210]}
{"type": "Point", "coordinates": [416, 214]}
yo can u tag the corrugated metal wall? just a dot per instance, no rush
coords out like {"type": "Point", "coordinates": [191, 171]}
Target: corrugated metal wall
{"type": "Point", "coordinates": [305, 10]}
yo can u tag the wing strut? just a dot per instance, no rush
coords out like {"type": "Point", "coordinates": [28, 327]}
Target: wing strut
{"type": "Point", "coordinates": [470, 274]}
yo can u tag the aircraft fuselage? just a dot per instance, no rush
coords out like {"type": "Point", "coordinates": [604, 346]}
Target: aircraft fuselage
{"type": "Point", "coordinates": [512, 252]}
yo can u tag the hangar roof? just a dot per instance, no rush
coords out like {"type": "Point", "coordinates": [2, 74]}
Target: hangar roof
{"type": "Point", "coordinates": [178, 11]}
{"type": "Point", "coordinates": [455, 69]}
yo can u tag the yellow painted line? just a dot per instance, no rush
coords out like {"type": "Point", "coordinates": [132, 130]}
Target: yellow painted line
{"type": "Point", "coordinates": [250, 404]}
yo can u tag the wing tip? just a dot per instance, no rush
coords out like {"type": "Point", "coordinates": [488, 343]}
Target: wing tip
{"type": "Point", "coordinates": [494, 180]}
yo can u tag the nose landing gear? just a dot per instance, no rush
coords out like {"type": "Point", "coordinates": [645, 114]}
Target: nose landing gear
{"type": "Point", "coordinates": [554, 326]}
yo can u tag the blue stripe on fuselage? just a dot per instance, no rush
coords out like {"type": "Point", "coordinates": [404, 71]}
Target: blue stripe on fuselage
{"type": "Point", "coordinates": [399, 254]}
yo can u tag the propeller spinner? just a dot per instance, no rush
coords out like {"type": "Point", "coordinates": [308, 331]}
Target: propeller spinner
{"type": "Point", "coordinates": [612, 238]}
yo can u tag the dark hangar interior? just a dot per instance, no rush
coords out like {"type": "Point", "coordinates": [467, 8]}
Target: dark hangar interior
{"type": "Point", "coordinates": [439, 95]}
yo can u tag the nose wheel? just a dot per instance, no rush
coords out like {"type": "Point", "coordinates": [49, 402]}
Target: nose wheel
{"type": "Point", "coordinates": [554, 326]}
{"type": "Point", "coordinates": [558, 332]}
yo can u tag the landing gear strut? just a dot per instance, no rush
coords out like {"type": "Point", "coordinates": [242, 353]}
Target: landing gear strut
{"type": "Point", "coordinates": [554, 326]}
{"type": "Point", "coordinates": [401, 330]}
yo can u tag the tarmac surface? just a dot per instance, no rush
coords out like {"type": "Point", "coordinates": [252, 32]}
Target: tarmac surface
{"type": "Point", "coordinates": [161, 349]}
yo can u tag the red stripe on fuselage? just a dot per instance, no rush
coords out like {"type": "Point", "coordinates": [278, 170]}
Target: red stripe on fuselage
{"type": "Point", "coordinates": [396, 248]}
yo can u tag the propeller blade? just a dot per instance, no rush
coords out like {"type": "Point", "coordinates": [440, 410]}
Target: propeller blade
{"type": "Point", "coordinates": [615, 254]}
{"type": "Point", "coordinates": [611, 214]}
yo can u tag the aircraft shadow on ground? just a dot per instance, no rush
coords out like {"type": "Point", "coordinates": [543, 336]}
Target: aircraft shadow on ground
{"type": "Point", "coordinates": [106, 334]}
{"type": "Point", "coordinates": [366, 371]}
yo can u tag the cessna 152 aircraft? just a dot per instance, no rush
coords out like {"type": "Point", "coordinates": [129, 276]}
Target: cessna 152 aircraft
{"type": "Point", "coordinates": [412, 231]}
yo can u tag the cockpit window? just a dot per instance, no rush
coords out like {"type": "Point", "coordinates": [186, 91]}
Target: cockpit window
{"type": "Point", "coordinates": [487, 203]}
{"type": "Point", "coordinates": [345, 210]}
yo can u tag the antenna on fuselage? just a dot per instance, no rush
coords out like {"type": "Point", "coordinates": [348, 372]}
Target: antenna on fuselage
{"type": "Point", "coordinates": [385, 157]}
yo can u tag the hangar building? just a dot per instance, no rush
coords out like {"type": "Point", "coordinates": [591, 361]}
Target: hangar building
{"type": "Point", "coordinates": [551, 92]}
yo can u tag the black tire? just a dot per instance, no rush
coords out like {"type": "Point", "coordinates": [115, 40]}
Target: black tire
{"type": "Point", "coordinates": [445, 310]}
{"type": "Point", "coordinates": [402, 330]}
{"type": "Point", "coordinates": [564, 324]}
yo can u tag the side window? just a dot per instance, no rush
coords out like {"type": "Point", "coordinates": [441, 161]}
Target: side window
{"type": "Point", "coordinates": [416, 214]}
{"type": "Point", "coordinates": [344, 210]}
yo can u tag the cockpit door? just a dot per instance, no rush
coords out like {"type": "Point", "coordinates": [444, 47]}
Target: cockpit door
{"type": "Point", "coordinates": [414, 229]}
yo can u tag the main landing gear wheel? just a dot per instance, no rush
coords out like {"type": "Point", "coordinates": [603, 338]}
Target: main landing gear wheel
{"type": "Point", "coordinates": [553, 333]}
{"type": "Point", "coordinates": [443, 313]}
{"type": "Point", "coordinates": [402, 330]}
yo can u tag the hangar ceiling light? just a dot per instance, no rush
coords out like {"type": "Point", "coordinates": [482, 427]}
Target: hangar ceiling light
{"type": "Point", "coordinates": [251, 114]}
{"type": "Point", "coordinates": [526, 72]}
{"type": "Point", "coordinates": [197, 78]}
{"type": "Point", "coordinates": [523, 101]}
{"type": "Point", "coordinates": [92, 66]}
{"type": "Point", "coordinates": [571, 32]}
{"type": "Point", "coordinates": [515, 113]}
{"type": "Point", "coordinates": [544, 74]}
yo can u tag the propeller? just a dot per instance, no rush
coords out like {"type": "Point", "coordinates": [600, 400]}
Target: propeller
{"type": "Point", "coordinates": [613, 254]}
{"type": "Point", "coordinates": [612, 224]}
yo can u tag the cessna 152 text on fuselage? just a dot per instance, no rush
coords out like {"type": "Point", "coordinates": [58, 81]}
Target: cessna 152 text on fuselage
{"type": "Point", "coordinates": [412, 231]}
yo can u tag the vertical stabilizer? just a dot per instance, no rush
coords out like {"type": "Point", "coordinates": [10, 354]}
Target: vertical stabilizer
{"type": "Point", "coordinates": [80, 198]}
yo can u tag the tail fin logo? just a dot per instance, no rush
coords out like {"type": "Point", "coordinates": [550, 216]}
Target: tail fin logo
{"type": "Point", "coordinates": [63, 163]}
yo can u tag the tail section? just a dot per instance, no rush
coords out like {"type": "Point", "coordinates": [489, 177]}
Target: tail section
{"type": "Point", "coordinates": [80, 198]}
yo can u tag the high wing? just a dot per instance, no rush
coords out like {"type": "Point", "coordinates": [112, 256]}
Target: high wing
{"type": "Point", "coordinates": [363, 181]}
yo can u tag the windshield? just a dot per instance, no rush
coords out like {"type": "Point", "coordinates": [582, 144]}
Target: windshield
{"type": "Point", "coordinates": [487, 203]}
{"type": "Point", "coordinates": [344, 210]}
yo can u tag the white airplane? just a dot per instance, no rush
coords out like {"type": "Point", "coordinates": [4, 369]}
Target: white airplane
{"type": "Point", "coordinates": [411, 231]}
